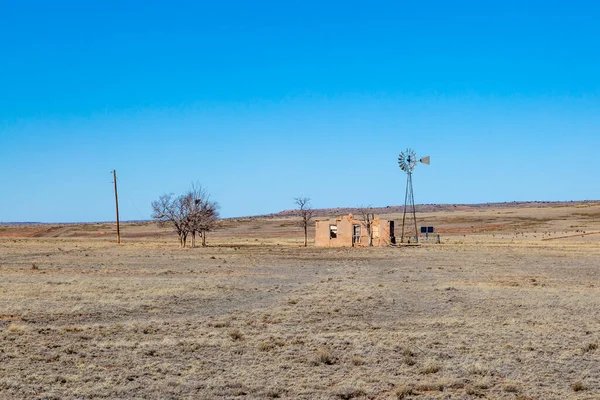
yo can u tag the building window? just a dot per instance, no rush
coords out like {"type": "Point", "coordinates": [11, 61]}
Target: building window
{"type": "Point", "coordinates": [375, 230]}
{"type": "Point", "coordinates": [332, 231]}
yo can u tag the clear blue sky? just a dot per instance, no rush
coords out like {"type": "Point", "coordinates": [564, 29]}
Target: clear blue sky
{"type": "Point", "coordinates": [264, 101]}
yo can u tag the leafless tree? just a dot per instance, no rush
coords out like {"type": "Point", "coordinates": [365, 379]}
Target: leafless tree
{"type": "Point", "coordinates": [168, 209]}
{"type": "Point", "coordinates": [193, 212]}
{"type": "Point", "coordinates": [368, 217]}
{"type": "Point", "coordinates": [210, 219]}
{"type": "Point", "coordinates": [194, 198]}
{"type": "Point", "coordinates": [203, 213]}
{"type": "Point", "coordinates": [306, 213]}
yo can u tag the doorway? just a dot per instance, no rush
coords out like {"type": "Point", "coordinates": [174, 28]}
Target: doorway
{"type": "Point", "coordinates": [355, 234]}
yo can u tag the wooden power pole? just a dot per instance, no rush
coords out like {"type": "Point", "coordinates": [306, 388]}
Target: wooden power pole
{"type": "Point", "coordinates": [117, 207]}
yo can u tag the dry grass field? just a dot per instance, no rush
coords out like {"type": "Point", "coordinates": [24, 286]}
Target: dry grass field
{"type": "Point", "coordinates": [496, 311]}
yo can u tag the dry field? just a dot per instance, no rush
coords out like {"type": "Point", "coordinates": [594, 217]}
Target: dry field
{"type": "Point", "coordinates": [496, 311]}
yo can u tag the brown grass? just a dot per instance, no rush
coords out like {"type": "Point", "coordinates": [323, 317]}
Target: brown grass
{"type": "Point", "coordinates": [404, 391]}
{"type": "Point", "coordinates": [324, 356]}
{"type": "Point", "coordinates": [431, 367]}
{"type": "Point", "coordinates": [497, 315]}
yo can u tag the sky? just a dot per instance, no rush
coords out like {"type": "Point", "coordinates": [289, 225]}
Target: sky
{"type": "Point", "coordinates": [264, 101]}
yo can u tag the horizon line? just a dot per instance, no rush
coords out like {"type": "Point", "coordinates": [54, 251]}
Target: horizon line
{"type": "Point", "coordinates": [9, 223]}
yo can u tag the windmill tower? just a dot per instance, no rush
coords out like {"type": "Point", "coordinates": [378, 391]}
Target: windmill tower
{"type": "Point", "coordinates": [407, 162]}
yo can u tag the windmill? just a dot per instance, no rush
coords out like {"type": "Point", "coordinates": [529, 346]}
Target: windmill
{"type": "Point", "coordinates": [407, 162]}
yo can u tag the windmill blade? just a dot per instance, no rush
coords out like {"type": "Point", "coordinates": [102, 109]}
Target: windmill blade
{"type": "Point", "coordinates": [407, 160]}
{"type": "Point", "coordinates": [425, 160]}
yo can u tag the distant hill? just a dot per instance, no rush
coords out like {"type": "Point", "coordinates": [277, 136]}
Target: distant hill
{"type": "Point", "coordinates": [339, 211]}
{"type": "Point", "coordinates": [327, 212]}
{"type": "Point", "coordinates": [20, 223]}
{"type": "Point", "coordinates": [27, 223]}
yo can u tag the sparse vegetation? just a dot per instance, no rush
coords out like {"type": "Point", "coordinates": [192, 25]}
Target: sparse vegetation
{"type": "Point", "coordinates": [15, 328]}
{"type": "Point", "coordinates": [431, 367]}
{"type": "Point", "coordinates": [511, 388]}
{"type": "Point", "coordinates": [358, 360]}
{"type": "Point", "coordinates": [350, 392]}
{"type": "Point", "coordinates": [236, 334]}
{"type": "Point", "coordinates": [473, 391]}
{"type": "Point", "coordinates": [324, 356]}
{"type": "Point", "coordinates": [271, 343]}
{"type": "Point", "coordinates": [478, 369]}
{"type": "Point", "coordinates": [403, 391]}
{"type": "Point", "coordinates": [590, 347]}
{"type": "Point", "coordinates": [408, 360]}
{"type": "Point", "coordinates": [431, 386]}
{"type": "Point", "coordinates": [248, 320]}
{"type": "Point", "coordinates": [265, 345]}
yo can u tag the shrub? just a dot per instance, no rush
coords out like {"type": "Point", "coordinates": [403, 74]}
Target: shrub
{"type": "Point", "coordinates": [350, 392]}
{"type": "Point", "coordinates": [429, 387]}
{"type": "Point", "coordinates": [324, 356]}
{"type": "Point", "coordinates": [265, 345]}
{"type": "Point", "coordinates": [590, 347]}
{"type": "Point", "coordinates": [430, 368]}
{"type": "Point", "coordinates": [404, 391]}
{"type": "Point", "coordinates": [273, 393]}
{"type": "Point", "coordinates": [16, 329]}
{"type": "Point", "coordinates": [236, 334]}
{"type": "Point", "coordinates": [510, 388]}
{"type": "Point", "coordinates": [358, 360]}
{"type": "Point", "coordinates": [220, 324]}
{"type": "Point", "coordinates": [472, 391]}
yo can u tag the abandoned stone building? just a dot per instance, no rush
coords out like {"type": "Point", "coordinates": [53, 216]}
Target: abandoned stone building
{"type": "Point", "coordinates": [347, 231]}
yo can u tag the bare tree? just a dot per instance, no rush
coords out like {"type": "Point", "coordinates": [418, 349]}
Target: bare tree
{"type": "Point", "coordinates": [194, 198]}
{"type": "Point", "coordinates": [191, 204]}
{"type": "Point", "coordinates": [192, 212]}
{"type": "Point", "coordinates": [368, 217]}
{"type": "Point", "coordinates": [204, 213]}
{"type": "Point", "coordinates": [209, 218]}
{"type": "Point", "coordinates": [306, 213]}
{"type": "Point", "coordinates": [174, 211]}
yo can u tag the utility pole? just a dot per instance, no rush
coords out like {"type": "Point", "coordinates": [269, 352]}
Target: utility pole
{"type": "Point", "coordinates": [117, 207]}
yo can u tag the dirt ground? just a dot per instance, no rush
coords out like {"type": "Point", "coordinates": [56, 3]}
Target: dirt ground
{"type": "Point", "coordinates": [511, 311]}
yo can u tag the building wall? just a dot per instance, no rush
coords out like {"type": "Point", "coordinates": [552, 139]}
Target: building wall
{"type": "Point", "coordinates": [381, 233]}
{"type": "Point", "coordinates": [345, 231]}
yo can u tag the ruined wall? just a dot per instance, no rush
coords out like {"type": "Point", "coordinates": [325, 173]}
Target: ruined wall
{"type": "Point", "coordinates": [345, 231]}
{"type": "Point", "coordinates": [343, 235]}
